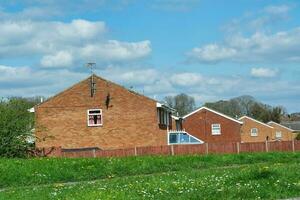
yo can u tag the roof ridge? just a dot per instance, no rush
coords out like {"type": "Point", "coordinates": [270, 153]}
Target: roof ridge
{"type": "Point", "coordinates": [211, 110]}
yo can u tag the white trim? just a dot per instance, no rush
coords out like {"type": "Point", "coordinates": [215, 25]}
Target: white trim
{"type": "Point", "coordinates": [88, 114]}
{"type": "Point", "coordinates": [205, 108]}
{"type": "Point", "coordinates": [175, 117]}
{"type": "Point", "coordinates": [256, 121]}
{"type": "Point", "coordinates": [180, 132]}
{"type": "Point", "coordinates": [277, 133]}
{"type": "Point", "coordinates": [31, 110]}
{"type": "Point", "coordinates": [219, 127]}
{"type": "Point", "coordinates": [271, 122]}
{"type": "Point", "coordinates": [256, 133]}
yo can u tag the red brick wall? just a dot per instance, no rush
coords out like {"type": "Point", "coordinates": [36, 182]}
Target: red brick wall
{"type": "Point", "coordinates": [199, 125]}
{"type": "Point", "coordinates": [130, 120]}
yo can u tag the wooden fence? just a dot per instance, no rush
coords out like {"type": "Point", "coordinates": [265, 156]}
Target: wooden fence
{"type": "Point", "coordinates": [206, 148]}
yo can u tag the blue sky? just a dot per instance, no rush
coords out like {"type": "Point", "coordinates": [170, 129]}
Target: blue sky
{"type": "Point", "coordinates": [209, 50]}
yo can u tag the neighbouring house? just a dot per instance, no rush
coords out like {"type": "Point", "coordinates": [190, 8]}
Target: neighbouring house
{"type": "Point", "coordinates": [211, 126]}
{"type": "Point", "coordinates": [179, 136]}
{"type": "Point", "coordinates": [255, 131]}
{"type": "Point", "coordinates": [281, 133]}
{"type": "Point", "coordinates": [97, 113]}
{"type": "Point", "coordinates": [294, 125]}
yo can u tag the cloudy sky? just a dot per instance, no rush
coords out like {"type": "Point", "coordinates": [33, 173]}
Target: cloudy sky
{"type": "Point", "coordinates": [209, 50]}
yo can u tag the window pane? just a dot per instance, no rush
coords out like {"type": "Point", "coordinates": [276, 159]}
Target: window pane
{"type": "Point", "coordinates": [173, 138]}
{"type": "Point", "coordinates": [216, 129]}
{"type": "Point", "coordinates": [94, 112]}
{"type": "Point", "coordinates": [184, 138]}
{"type": "Point", "coordinates": [193, 140]}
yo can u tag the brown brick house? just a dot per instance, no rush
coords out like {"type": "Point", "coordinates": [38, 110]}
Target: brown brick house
{"type": "Point", "coordinates": [255, 131]}
{"type": "Point", "coordinates": [281, 133]}
{"type": "Point", "coordinates": [97, 113]}
{"type": "Point", "coordinates": [211, 126]}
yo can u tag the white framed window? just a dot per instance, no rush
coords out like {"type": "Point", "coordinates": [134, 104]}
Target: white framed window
{"type": "Point", "coordinates": [278, 134]}
{"type": "Point", "coordinates": [254, 132]}
{"type": "Point", "coordinates": [94, 117]}
{"type": "Point", "coordinates": [216, 129]}
{"type": "Point", "coordinates": [182, 138]}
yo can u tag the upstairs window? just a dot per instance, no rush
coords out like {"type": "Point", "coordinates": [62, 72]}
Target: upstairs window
{"type": "Point", "coordinates": [94, 117]}
{"type": "Point", "coordinates": [254, 132]}
{"type": "Point", "coordinates": [278, 135]}
{"type": "Point", "coordinates": [216, 129]}
{"type": "Point", "coordinates": [164, 117]}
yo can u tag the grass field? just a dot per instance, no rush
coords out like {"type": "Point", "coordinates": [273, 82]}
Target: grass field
{"type": "Point", "coordinates": [244, 176]}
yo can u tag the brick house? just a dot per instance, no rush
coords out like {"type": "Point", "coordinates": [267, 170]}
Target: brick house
{"type": "Point", "coordinates": [97, 113]}
{"type": "Point", "coordinates": [211, 126]}
{"type": "Point", "coordinates": [281, 133]}
{"type": "Point", "coordinates": [255, 131]}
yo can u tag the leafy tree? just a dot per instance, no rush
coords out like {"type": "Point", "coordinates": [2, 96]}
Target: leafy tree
{"type": "Point", "coordinates": [183, 103]}
{"type": "Point", "coordinates": [15, 126]}
{"type": "Point", "coordinates": [247, 105]}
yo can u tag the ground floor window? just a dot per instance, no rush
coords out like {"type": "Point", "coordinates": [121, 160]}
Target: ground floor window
{"type": "Point", "coordinates": [94, 117]}
{"type": "Point", "coordinates": [183, 138]}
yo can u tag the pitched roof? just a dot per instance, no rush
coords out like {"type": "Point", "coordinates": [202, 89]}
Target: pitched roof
{"type": "Point", "coordinates": [295, 125]}
{"type": "Point", "coordinates": [271, 122]}
{"type": "Point", "coordinates": [255, 121]}
{"type": "Point", "coordinates": [213, 111]}
{"type": "Point", "coordinates": [69, 88]}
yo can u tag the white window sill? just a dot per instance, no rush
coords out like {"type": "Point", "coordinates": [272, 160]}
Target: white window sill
{"type": "Point", "coordinates": [96, 125]}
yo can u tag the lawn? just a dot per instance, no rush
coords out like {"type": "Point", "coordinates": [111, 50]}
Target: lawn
{"type": "Point", "coordinates": [244, 176]}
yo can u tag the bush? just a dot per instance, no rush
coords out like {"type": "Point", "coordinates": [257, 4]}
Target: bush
{"type": "Point", "coordinates": [15, 127]}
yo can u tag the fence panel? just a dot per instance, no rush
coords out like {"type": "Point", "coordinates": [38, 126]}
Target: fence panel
{"type": "Point", "coordinates": [253, 147]}
{"type": "Point", "coordinates": [213, 148]}
{"type": "Point", "coordinates": [229, 147]}
{"type": "Point", "coordinates": [281, 146]}
{"type": "Point", "coordinates": [189, 149]}
{"type": "Point", "coordinates": [297, 145]}
{"type": "Point", "coordinates": [154, 150]}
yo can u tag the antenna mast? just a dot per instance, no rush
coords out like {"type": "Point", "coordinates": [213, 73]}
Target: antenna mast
{"type": "Point", "coordinates": [93, 84]}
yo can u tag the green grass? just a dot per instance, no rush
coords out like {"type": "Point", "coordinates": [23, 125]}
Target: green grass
{"type": "Point", "coordinates": [244, 176]}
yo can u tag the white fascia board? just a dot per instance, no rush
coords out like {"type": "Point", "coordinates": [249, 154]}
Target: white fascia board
{"type": "Point", "coordinates": [213, 111]}
{"type": "Point", "coordinates": [256, 121]}
{"type": "Point", "coordinates": [271, 122]}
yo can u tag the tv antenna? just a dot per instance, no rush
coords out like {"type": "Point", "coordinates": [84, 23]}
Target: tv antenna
{"type": "Point", "coordinates": [92, 65]}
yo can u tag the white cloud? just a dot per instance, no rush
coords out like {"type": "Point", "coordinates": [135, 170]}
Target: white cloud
{"type": "Point", "coordinates": [280, 46]}
{"type": "Point", "coordinates": [187, 79]}
{"type": "Point", "coordinates": [277, 9]}
{"type": "Point", "coordinates": [24, 81]}
{"type": "Point", "coordinates": [115, 50]}
{"type": "Point", "coordinates": [264, 72]}
{"type": "Point", "coordinates": [60, 44]}
{"type": "Point", "coordinates": [211, 53]}
{"type": "Point", "coordinates": [60, 59]}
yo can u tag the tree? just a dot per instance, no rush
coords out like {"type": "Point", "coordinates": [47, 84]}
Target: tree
{"type": "Point", "coordinates": [276, 114]}
{"type": "Point", "coordinates": [15, 126]}
{"type": "Point", "coordinates": [183, 103]}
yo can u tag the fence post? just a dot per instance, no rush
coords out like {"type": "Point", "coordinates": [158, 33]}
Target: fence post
{"type": "Point", "coordinates": [267, 148]}
{"type": "Point", "coordinates": [293, 145]}
{"type": "Point", "coordinates": [172, 150]}
{"type": "Point", "coordinates": [135, 151]}
{"type": "Point", "coordinates": [94, 153]}
{"type": "Point", "coordinates": [238, 147]}
{"type": "Point", "coordinates": [206, 148]}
